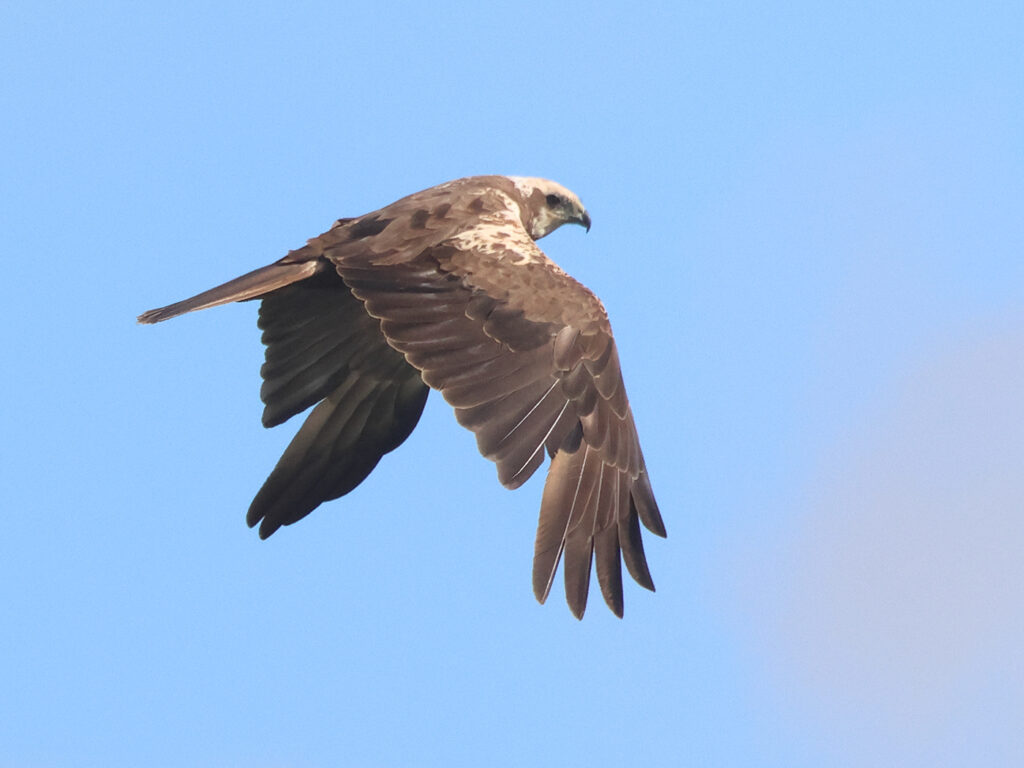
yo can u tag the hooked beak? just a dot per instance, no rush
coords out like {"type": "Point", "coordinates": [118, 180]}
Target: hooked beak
{"type": "Point", "coordinates": [584, 220]}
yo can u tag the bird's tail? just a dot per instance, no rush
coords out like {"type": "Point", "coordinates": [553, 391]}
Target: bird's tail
{"type": "Point", "coordinates": [249, 286]}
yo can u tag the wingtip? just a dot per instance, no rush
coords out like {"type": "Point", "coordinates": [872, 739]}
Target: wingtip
{"type": "Point", "coordinates": [643, 578]}
{"type": "Point", "coordinates": [266, 530]}
{"type": "Point", "coordinates": [541, 589]}
{"type": "Point", "coordinates": [542, 596]}
{"type": "Point", "coordinates": [643, 502]}
{"type": "Point", "coordinates": [614, 602]}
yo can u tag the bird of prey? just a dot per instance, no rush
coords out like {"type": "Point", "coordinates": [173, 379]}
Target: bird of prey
{"type": "Point", "coordinates": [447, 289]}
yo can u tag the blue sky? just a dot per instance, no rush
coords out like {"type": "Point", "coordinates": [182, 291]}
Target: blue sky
{"type": "Point", "coordinates": [808, 228]}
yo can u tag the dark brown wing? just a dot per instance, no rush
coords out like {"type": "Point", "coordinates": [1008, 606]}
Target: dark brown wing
{"type": "Point", "coordinates": [322, 345]}
{"type": "Point", "coordinates": [525, 355]}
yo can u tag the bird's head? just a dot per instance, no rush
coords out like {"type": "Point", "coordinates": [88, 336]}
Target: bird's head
{"type": "Point", "coordinates": [548, 205]}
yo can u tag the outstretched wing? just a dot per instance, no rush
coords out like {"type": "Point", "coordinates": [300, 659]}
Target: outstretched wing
{"type": "Point", "coordinates": [322, 346]}
{"type": "Point", "coordinates": [525, 355]}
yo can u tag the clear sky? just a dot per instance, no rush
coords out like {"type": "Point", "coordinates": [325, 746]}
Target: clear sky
{"type": "Point", "coordinates": [808, 232]}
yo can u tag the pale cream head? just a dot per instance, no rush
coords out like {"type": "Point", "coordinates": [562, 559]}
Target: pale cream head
{"type": "Point", "coordinates": [550, 204]}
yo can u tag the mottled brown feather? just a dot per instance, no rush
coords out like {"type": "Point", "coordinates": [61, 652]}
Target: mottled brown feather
{"type": "Point", "coordinates": [447, 288]}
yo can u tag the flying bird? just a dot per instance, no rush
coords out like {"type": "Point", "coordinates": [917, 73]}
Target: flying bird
{"type": "Point", "coordinates": [447, 289]}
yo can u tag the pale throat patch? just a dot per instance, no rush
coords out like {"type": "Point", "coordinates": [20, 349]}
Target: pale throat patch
{"type": "Point", "coordinates": [544, 221]}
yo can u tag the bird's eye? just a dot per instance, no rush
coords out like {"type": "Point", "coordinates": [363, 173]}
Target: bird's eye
{"type": "Point", "coordinates": [553, 201]}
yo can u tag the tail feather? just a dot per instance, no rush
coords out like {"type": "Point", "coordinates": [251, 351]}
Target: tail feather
{"type": "Point", "coordinates": [249, 286]}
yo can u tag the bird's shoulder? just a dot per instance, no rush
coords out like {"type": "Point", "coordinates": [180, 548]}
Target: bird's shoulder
{"type": "Point", "coordinates": [472, 229]}
{"type": "Point", "coordinates": [494, 253]}
{"type": "Point", "coordinates": [502, 261]}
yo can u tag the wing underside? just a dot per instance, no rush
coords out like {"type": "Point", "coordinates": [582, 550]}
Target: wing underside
{"type": "Point", "coordinates": [323, 347]}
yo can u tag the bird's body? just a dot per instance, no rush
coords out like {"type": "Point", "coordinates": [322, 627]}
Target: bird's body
{"type": "Point", "coordinates": [447, 289]}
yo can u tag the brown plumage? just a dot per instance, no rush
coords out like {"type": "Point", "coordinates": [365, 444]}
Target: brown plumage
{"type": "Point", "coordinates": [447, 289]}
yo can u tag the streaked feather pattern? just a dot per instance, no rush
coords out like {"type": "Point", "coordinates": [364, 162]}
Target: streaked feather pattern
{"type": "Point", "coordinates": [447, 289]}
